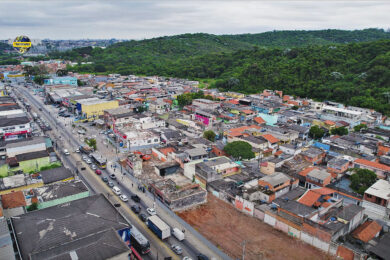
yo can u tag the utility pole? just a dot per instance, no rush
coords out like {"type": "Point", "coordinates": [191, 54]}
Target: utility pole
{"type": "Point", "coordinates": [243, 249]}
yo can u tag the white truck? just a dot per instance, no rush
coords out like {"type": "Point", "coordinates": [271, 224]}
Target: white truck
{"type": "Point", "coordinates": [178, 234]}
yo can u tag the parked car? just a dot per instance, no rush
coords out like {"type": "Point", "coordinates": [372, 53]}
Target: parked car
{"type": "Point", "coordinates": [202, 257]}
{"type": "Point", "coordinates": [135, 198]}
{"type": "Point", "coordinates": [112, 176]}
{"type": "Point", "coordinates": [151, 211]}
{"type": "Point", "coordinates": [110, 184]}
{"type": "Point", "coordinates": [98, 172]}
{"type": "Point", "coordinates": [85, 158]}
{"type": "Point", "coordinates": [143, 217]}
{"type": "Point", "coordinates": [177, 249]}
{"type": "Point", "coordinates": [136, 209]}
{"type": "Point", "coordinates": [93, 166]}
{"type": "Point", "coordinates": [105, 179]}
{"type": "Point", "coordinates": [116, 190]}
{"type": "Point", "coordinates": [88, 161]}
{"type": "Point", "coordinates": [123, 198]}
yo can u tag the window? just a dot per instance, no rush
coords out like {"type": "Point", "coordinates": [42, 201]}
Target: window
{"type": "Point", "coordinates": [21, 127]}
{"type": "Point", "coordinates": [149, 141]}
{"type": "Point", "coordinates": [155, 140]}
{"type": "Point", "coordinates": [368, 196]}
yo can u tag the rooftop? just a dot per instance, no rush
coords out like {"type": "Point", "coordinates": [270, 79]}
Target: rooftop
{"type": "Point", "coordinates": [13, 200]}
{"type": "Point", "coordinates": [60, 190]}
{"type": "Point", "coordinates": [57, 228]}
{"type": "Point", "coordinates": [56, 174]}
{"type": "Point", "coordinates": [380, 189]}
{"type": "Point", "coordinates": [276, 178]}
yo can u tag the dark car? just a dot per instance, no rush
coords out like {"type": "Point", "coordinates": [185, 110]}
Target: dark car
{"type": "Point", "coordinates": [202, 257]}
{"type": "Point", "coordinates": [66, 115]}
{"type": "Point", "coordinates": [105, 179]}
{"type": "Point", "coordinates": [135, 198]}
{"type": "Point", "coordinates": [136, 209]}
{"type": "Point", "coordinates": [143, 217]}
{"type": "Point", "coordinates": [112, 176]}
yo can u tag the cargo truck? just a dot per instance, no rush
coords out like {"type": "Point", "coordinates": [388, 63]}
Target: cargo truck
{"type": "Point", "coordinates": [159, 227]}
{"type": "Point", "coordinates": [86, 149]}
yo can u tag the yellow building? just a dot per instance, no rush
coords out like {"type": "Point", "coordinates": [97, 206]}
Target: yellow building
{"type": "Point", "coordinates": [95, 108]}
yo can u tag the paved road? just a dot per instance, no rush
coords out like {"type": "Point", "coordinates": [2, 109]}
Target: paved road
{"type": "Point", "coordinates": [94, 182]}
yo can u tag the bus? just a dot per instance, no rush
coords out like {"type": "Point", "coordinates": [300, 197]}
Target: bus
{"type": "Point", "coordinates": [138, 241]}
{"type": "Point", "coordinates": [99, 160]}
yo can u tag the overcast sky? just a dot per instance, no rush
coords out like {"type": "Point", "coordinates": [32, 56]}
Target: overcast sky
{"type": "Point", "coordinates": [146, 19]}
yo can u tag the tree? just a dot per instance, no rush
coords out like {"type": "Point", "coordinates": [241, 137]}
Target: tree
{"type": "Point", "coordinates": [91, 143]}
{"type": "Point", "coordinates": [32, 207]}
{"type": "Point", "coordinates": [40, 79]}
{"type": "Point", "coordinates": [316, 132]}
{"type": "Point", "coordinates": [62, 72]}
{"type": "Point", "coordinates": [80, 83]}
{"type": "Point", "coordinates": [358, 128]}
{"type": "Point", "coordinates": [339, 131]}
{"type": "Point", "coordinates": [239, 150]}
{"type": "Point", "coordinates": [209, 135]}
{"type": "Point", "coordinates": [362, 179]}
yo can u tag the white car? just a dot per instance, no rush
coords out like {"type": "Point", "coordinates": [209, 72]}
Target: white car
{"type": "Point", "coordinates": [88, 161]}
{"type": "Point", "coordinates": [77, 150]}
{"type": "Point", "coordinates": [93, 166]}
{"type": "Point", "coordinates": [187, 258]}
{"type": "Point", "coordinates": [66, 152]}
{"type": "Point", "coordinates": [151, 211]}
{"type": "Point", "coordinates": [123, 198]}
{"type": "Point", "coordinates": [85, 158]}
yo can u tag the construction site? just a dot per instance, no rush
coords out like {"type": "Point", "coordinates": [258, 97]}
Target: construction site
{"type": "Point", "coordinates": [230, 230]}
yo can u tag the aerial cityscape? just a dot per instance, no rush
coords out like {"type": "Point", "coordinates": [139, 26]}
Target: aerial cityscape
{"type": "Point", "coordinates": [195, 131]}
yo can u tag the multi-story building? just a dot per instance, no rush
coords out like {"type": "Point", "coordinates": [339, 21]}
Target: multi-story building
{"type": "Point", "coordinates": [376, 201]}
{"type": "Point", "coordinates": [14, 126]}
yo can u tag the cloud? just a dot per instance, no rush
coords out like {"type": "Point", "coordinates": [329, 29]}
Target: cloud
{"type": "Point", "coordinates": [145, 19]}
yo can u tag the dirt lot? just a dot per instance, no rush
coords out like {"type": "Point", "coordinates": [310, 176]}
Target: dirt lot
{"type": "Point", "coordinates": [227, 228]}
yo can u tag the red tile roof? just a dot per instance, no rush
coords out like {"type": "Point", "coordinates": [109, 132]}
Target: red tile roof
{"type": "Point", "coordinates": [247, 111]}
{"type": "Point", "coordinates": [233, 101]}
{"type": "Point", "coordinates": [309, 198]}
{"type": "Point", "coordinates": [328, 122]}
{"type": "Point", "coordinates": [259, 120]}
{"type": "Point", "coordinates": [270, 138]}
{"type": "Point", "coordinates": [372, 164]}
{"type": "Point", "coordinates": [278, 153]}
{"type": "Point", "coordinates": [367, 231]}
{"type": "Point", "coordinates": [306, 171]}
{"type": "Point", "coordinates": [13, 200]}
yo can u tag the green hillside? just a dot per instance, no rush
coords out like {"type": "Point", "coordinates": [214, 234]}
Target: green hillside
{"type": "Point", "coordinates": [304, 38]}
{"type": "Point", "coordinates": [324, 68]}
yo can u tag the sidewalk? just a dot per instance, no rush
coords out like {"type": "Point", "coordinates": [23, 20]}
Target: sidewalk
{"type": "Point", "coordinates": [192, 236]}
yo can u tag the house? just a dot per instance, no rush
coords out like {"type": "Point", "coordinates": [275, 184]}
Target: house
{"type": "Point", "coordinates": [13, 203]}
{"type": "Point", "coordinates": [217, 148]}
{"type": "Point", "coordinates": [137, 140]}
{"type": "Point", "coordinates": [318, 178]}
{"type": "Point", "coordinates": [367, 231]}
{"type": "Point", "coordinates": [313, 155]}
{"type": "Point", "coordinates": [196, 153]}
{"type": "Point", "coordinates": [61, 80]}
{"type": "Point", "coordinates": [381, 170]}
{"type": "Point", "coordinates": [89, 230]}
{"type": "Point", "coordinates": [205, 104]}
{"type": "Point", "coordinates": [289, 149]}
{"type": "Point", "coordinates": [259, 121]}
{"type": "Point", "coordinates": [223, 165]}
{"type": "Point", "coordinates": [376, 201]}
{"type": "Point", "coordinates": [117, 117]}
{"type": "Point", "coordinates": [272, 141]}
{"type": "Point", "coordinates": [178, 198]}
{"type": "Point", "coordinates": [337, 166]}
{"type": "Point", "coordinates": [272, 187]}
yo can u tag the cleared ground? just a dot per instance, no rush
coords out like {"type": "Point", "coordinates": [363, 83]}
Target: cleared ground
{"type": "Point", "coordinates": [227, 228]}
